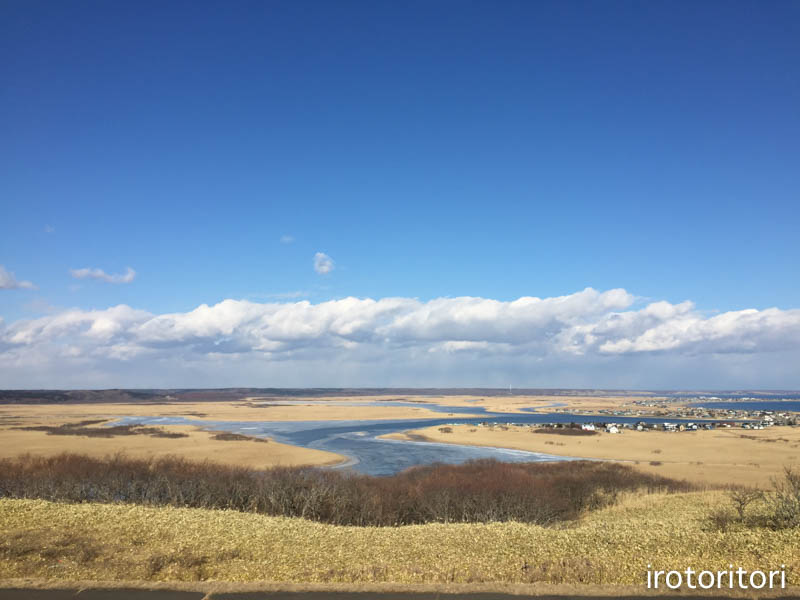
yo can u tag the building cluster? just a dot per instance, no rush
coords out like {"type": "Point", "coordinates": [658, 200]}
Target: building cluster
{"type": "Point", "coordinates": [764, 421]}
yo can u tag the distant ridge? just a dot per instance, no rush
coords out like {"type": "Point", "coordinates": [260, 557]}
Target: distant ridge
{"type": "Point", "coordinates": [159, 396]}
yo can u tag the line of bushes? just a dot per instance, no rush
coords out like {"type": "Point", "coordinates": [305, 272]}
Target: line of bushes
{"type": "Point", "coordinates": [225, 436]}
{"type": "Point", "coordinates": [81, 429]}
{"type": "Point", "coordinates": [478, 491]}
{"type": "Point", "coordinates": [565, 431]}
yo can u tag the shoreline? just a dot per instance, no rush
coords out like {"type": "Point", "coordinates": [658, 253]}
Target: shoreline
{"type": "Point", "coordinates": [717, 457]}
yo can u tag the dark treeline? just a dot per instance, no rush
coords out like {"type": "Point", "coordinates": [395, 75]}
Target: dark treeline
{"type": "Point", "coordinates": [479, 491]}
{"type": "Point", "coordinates": [158, 396]}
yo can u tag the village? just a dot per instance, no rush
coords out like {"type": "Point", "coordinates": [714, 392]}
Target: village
{"type": "Point", "coordinates": [613, 427]}
{"type": "Point", "coordinates": [719, 419]}
{"type": "Point", "coordinates": [754, 418]}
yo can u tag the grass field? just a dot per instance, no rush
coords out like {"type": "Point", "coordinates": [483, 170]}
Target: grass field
{"type": "Point", "coordinates": [613, 545]}
{"type": "Point", "coordinates": [719, 457]}
{"type": "Point", "coordinates": [195, 444]}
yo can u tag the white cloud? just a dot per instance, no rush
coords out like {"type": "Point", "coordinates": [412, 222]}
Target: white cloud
{"type": "Point", "coordinates": [87, 273]}
{"type": "Point", "coordinates": [279, 295]}
{"type": "Point", "coordinates": [49, 229]}
{"type": "Point", "coordinates": [589, 338]}
{"type": "Point", "coordinates": [9, 282]}
{"type": "Point", "coordinates": [287, 239]}
{"type": "Point", "coordinates": [323, 264]}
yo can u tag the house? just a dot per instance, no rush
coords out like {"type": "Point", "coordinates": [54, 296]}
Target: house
{"type": "Point", "coordinates": [612, 428]}
{"type": "Point", "coordinates": [588, 427]}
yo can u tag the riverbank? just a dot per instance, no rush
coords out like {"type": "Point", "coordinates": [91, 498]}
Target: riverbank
{"type": "Point", "coordinates": [719, 457]}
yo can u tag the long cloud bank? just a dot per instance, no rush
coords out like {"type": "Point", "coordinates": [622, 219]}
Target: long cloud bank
{"type": "Point", "coordinates": [585, 326]}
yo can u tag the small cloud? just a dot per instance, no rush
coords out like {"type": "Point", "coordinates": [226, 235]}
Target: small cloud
{"type": "Point", "coordinates": [38, 305]}
{"type": "Point", "coordinates": [288, 295]}
{"type": "Point", "coordinates": [9, 282]}
{"type": "Point", "coordinates": [87, 273]}
{"type": "Point", "coordinates": [278, 295]}
{"type": "Point", "coordinates": [323, 264]}
{"type": "Point", "coordinates": [287, 239]}
{"type": "Point", "coordinates": [49, 229]}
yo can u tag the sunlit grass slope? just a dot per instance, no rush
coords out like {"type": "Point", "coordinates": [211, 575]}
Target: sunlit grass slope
{"type": "Point", "coordinates": [613, 545]}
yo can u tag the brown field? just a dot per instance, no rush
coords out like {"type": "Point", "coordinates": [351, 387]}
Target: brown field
{"type": "Point", "coordinates": [197, 445]}
{"type": "Point", "coordinates": [719, 457]}
{"type": "Point", "coordinates": [247, 410]}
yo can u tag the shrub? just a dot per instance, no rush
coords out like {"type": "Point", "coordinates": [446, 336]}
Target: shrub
{"type": "Point", "coordinates": [780, 508]}
{"type": "Point", "coordinates": [478, 491]}
{"type": "Point", "coordinates": [741, 498]}
{"type": "Point", "coordinates": [785, 501]}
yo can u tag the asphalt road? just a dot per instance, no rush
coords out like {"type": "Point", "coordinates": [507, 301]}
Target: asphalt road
{"type": "Point", "coordinates": [121, 593]}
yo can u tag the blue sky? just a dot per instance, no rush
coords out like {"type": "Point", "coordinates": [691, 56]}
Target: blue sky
{"type": "Point", "coordinates": [430, 149]}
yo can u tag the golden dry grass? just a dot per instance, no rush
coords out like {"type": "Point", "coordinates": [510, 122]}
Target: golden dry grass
{"type": "Point", "coordinates": [198, 445]}
{"type": "Point", "coordinates": [718, 457]}
{"type": "Point", "coordinates": [252, 409]}
{"type": "Point", "coordinates": [612, 546]}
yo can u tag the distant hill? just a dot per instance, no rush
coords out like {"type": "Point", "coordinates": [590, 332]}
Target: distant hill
{"type": "Point", "coordinates": [230, 394]}
{"type": "Point", "coordinates": [158, 396]}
